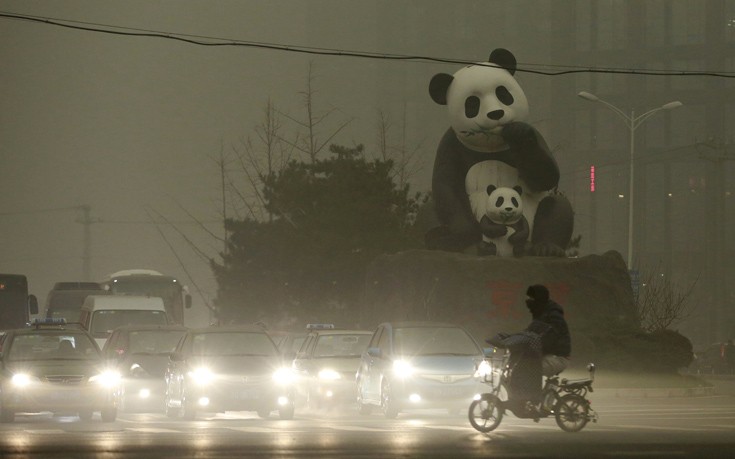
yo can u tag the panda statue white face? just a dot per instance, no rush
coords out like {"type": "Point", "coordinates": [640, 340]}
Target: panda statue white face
{"type": "Point", "coordinates": [481, 99]}
{"type": "Point", "coordinates": [504, 205]}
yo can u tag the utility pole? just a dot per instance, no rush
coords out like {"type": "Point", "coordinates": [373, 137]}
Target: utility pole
{"type": "Point", "coordinates": [87, 221]}
{"type": "Point", "coordinates": [721, 317]}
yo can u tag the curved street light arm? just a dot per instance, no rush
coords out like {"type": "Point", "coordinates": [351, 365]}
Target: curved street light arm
{"type": "Point", "coordinates": [628, 120]}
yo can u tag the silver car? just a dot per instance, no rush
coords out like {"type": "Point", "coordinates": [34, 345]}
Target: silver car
{"type": "Point", "coordinates": [414, 365]}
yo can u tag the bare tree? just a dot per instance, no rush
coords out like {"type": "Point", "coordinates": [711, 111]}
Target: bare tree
{"type": "Point", "coordinates": [310, 143]}
{"type": "Point", "coordinates": [660, 302]}
{"type": "Point", "coordinates": [258, 160]}
{"type": "Point", "coordinates": [406, 161]}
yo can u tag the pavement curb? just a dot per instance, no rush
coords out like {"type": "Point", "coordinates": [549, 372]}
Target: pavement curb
{"type": "Point", "coordinates": [658, 392]}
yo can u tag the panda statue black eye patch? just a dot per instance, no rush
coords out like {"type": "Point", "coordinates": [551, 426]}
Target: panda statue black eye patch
{"type": "Point", "coordinates": [471, 106]}
{"type": "Point", "coordinates": [503, 95]}
{"type": "Point", "coordinates": [499, 201]}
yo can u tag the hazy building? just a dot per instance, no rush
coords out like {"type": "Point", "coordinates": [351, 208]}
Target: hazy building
{"type": "Point", "coordinates": [684, 214]}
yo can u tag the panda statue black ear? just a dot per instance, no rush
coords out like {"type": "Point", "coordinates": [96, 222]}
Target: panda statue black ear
{"type": "Point", "coordinates": [503, 58]}
{"type": "Point", "coordinates": [438, 87]}
{"type": "Point", "coordinates": [490, 189]}
{"type": "Point", "coordinates": [518, 189]}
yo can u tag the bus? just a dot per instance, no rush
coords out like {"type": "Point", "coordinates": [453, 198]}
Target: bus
{"type": "Point", "coordinates": [16, 305]}
{"type": "Point", "coordinates": [66, 298]}
{"type": "Point", "coordinates": [148, 282]}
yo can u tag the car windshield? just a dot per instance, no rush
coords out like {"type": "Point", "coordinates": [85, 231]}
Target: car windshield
{"type": "Point", "coordinates": [65, 345]}
{"type": "Point", "coordinates": [233, 343]}
{"type": "Point", "coordinates": [71, 315]}
{"type": "Point", "coordinates": [103, 322]}
{"type": "Point", "coordinates": [293, 345]}
{"type": "Point", "coordinates": [341, 345]}
{"type": "Point", "coordinates": [154, 341]}
{"type": "Point", "coordinates": [415, 341]}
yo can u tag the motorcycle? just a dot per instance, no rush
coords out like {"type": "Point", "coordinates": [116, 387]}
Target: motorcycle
{"type": "Point", "coordinates": [565, 400]}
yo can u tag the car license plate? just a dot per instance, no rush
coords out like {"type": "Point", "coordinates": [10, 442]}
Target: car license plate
{"type": "Point", "coordinates": [65, 396]}
{"type": "Point", "coordinates": [447, 391]}
{"type": "Point", "coordinates": [247, 394]}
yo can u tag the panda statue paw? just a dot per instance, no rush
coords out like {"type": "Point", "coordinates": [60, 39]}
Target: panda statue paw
{"type": "Point", "coordinates": [546, 249]}
{"type": "Point", "coordinates": [486, 249]}
{"type": "Point", "coordinates": [518, 133]}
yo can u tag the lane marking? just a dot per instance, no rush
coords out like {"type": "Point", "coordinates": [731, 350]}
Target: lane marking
{"type": "Point", "coordinates": [45, 431]}
{"type": "Point", "coordinates": [469, 427]}
{"type": "Point", "coordinates": [647, 427]}
{"type": "Point", "coordinates": [360, 428]}
{"type": "Point", "coordinates": [258, 429]}
{"type": "Point", "coordinates": [152, 430]}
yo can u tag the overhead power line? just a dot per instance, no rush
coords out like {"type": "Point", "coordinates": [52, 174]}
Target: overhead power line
{"type": "Point", "coordinates": [217, 41]}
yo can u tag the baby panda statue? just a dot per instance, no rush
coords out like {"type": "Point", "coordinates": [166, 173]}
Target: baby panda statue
{"type": "Point", "coordinates": [503, 214]}
{"type": "Point", "coordinates": [489, 142]}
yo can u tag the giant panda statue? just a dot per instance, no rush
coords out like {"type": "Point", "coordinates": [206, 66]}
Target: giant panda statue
{"type": "Point", "coordinates": [490, 143]}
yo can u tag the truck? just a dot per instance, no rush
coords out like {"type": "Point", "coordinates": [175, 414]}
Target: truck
{"type": "Point", "coordinates": [16, 305]}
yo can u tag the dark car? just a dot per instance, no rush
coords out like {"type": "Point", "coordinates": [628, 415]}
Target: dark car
{"type": "Point", "coordinates": [326, 366]}
{"type": "Point", "coordinates": [57, 368]}
{"type": "Point", "coordinates": [140, 353]}
{"type": "Point", "coordinates": [230, 368]}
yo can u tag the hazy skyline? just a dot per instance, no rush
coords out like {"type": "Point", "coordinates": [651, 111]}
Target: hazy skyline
{"type": "Point", "coordinates": [131, 126]}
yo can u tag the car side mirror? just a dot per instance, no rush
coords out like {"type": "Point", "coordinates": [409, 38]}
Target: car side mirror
{"type": "Point", "coordinates": [488, 351]}
{"type": "Point", "coordinates": [374, 352]}
{"type": "Point", "coordinates": [32, 304]}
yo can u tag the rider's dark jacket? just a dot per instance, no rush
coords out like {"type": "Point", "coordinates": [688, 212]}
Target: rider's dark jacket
{"type": "Point", "coordinates": [553, 328]}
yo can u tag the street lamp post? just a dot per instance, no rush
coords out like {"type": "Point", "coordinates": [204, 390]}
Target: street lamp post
{"type": "Point", "coordinates": [632, 122]}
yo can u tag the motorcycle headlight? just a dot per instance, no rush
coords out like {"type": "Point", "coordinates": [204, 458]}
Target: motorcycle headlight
{"type": "Point", "coordinates": [201, 376]}
{"type": "Point", "coordinates": [329, 375]}
{"type": "Point", "coordinates": [483, 369]}
{"type": "Point", "coordinates": [402, 369]}
{"type": "Point", "coordinates": [283, 376]}
{"type": "Point", "coordinates": [22, 380]}
{"type": "Point", "coordinates": [107, 378]}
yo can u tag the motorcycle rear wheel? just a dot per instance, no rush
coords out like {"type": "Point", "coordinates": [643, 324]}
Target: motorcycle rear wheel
{"type": "Point", "coordinates": [486, 413]}
{"type": "Point", "coordinates": [572, 413]}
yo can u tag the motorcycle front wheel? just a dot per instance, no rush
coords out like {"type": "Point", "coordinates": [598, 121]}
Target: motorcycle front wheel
{"type": "Point", "coordinates": [572, 413]}
{"type": "Point", "coordinates": [486, 413]}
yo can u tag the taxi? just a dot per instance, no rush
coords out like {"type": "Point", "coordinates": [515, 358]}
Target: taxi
{"type": "Point", "coordinates": [326, 364]}
{"type": "Point", "coordinates": [52, 366]}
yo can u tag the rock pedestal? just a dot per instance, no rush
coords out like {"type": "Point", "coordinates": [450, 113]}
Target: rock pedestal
{"type": "Point", "coordinates": [486, 294]}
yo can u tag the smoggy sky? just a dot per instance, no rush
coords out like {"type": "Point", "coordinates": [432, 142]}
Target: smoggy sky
{"type": "Point", "coordinates": [131, 126]}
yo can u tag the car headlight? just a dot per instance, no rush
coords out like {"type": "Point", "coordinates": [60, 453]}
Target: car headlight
{"type": "Point", "coordinates": [483, 369]}
{"type": "Point", "coordinates": [283, 376]}
{"type": "Point", "coordinates": [329, 375]}
{"type": "Point", "coordinates": [107, 378]}
{"type": "Point", "coordinates": [22, 380]}
{"type": "Point", "coordinates": [402, 369]}
{"type": "Point", "coordinates": [201, 376]}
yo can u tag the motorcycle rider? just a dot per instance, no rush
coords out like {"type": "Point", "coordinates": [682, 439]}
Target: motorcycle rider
{"type": "Point", "coordinates": [556, 341]}
{"type": "Point", "coordinates": [541, 349]}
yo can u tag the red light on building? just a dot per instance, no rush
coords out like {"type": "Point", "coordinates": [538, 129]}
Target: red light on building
{"type": "Point", "coordinates": [592, 179]}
